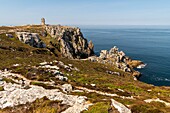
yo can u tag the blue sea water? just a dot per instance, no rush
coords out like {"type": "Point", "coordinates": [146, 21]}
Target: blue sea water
{"type": "Point", "coordinates": [150, 44]}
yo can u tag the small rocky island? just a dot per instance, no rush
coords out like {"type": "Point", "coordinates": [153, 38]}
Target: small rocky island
{"type": "Point", "coordinates": [53, 69]}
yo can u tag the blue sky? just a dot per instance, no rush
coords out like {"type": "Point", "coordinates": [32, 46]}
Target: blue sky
{"type": "Point", "coordinates": [85, 12]}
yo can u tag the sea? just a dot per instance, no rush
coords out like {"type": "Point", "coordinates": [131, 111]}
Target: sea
{"type": "Point", "coordinates": [150, 44]}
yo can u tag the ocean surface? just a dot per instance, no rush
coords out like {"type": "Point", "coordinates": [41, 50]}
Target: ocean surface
{"type": "Point", "coordinates": [150, 44]}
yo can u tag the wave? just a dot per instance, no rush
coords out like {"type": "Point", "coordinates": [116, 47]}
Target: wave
{"type": "Point", "coordinates": [160, 79]}
{"type": "Point", "coordinates": [141, 66]}
{"type": "Point", "coordinates": [156, 78]}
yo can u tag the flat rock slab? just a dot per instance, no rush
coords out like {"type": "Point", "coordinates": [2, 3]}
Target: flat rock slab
{"type": "Point", "coordinates": [15, 94]}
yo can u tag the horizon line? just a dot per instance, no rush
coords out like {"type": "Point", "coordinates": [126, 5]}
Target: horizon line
{"type": "Point", "coordinates": [92, 25]}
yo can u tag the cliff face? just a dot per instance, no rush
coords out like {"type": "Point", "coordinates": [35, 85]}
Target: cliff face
{"type": "Point", "coordinates": [71, 41]}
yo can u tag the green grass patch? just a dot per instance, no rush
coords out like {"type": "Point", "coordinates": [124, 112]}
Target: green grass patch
{"type": "Point", "coordinates": [8, 80]}
{"type": "Point", "coordinates": [43, 85]}
{"type": "Point", "coordinates": [100, 107]}
{"type": "Point", "coordinates": [1, 88]}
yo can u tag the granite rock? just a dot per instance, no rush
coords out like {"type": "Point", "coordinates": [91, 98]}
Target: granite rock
{"type": "Point", "coordinates": [31, 39]}
{"type": "Point", "coordinates": [71, 40]}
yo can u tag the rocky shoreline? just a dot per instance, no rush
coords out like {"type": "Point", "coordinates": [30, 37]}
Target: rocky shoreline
{"type": "Point", "coordinates": [118, 59]}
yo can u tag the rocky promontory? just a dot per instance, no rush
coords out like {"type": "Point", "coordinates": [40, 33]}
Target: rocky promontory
{"type": "Point", "coordinates": [117, 59]}
{"type": "Point", "coordinates": [71, 41]}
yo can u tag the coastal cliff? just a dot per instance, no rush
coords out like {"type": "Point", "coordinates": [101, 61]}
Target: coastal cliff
{"type": "Point", "coordinates": [71, 41]}
{"type": "Point", "coordinates": [53, 68]}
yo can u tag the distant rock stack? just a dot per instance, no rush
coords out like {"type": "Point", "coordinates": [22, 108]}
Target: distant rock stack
{"type": "Point", "coordinates": [42, 21]}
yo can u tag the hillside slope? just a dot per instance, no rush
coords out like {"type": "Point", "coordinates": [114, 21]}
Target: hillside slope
{"type": "Point", "coordinates": [56, 79]}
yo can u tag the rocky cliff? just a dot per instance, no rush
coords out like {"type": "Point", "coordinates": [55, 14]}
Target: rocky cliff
{"type": "Point", "coordinates": [71, 41]}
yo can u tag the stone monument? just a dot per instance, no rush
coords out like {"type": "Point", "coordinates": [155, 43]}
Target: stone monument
{"type": "Point", "coordinates": [42, 21]}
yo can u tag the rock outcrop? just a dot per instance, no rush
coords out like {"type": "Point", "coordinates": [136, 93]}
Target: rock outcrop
{"type": "Point", "coordinates": [120, 107]}
{"type": "Point", "coordinates": [114, 54]}
{"type": "Point", "coordinates": [17, 93]}
{"type": "Point", "coordinates": [30, 38]}
{"type": "Point", "coordinates": [119, 59]}
{"type": "Point", "coordinates": [14, 95]}
{"type": "Point", "coordinates": [71, 41]}
{"type": "Point", "coordinates": [113, 57]}
{"type": "Point", "coordinates": [157, 100]}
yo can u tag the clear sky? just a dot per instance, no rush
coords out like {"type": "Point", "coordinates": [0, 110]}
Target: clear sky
{"type": "Point", "coordinates": [85, 12]}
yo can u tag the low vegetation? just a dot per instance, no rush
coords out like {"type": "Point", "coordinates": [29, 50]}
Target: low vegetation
{"type": "Point", "coordinates": [12, 51]}
{"type": "Point", "coordinates": [99, 107]}
{"type": "Point", "coordinates": [43, 85]}
{"type": "Point", "coordinates": [1, 88]}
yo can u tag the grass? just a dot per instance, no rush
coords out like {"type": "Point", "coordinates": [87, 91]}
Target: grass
{"type": "Point", "coordinates": [1, 88]}
{"type": "Point", "coordinates": [8, 80]}
{"type": "Point", "coordinates": [43, 85]}
{"type": "Point", "coordinates": [100, 107]}
{"type": "Point", "coordinates": [13, 51]}
{"type": "Point", "coordinates": [143, 108]}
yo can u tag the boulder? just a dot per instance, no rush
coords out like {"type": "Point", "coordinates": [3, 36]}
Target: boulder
{"type": "Point", "coordinates": [9, 35]}
{"type": "Point", "coordinates": [120, 107]}
{"type": "Point", "coordinates": [67, 88]}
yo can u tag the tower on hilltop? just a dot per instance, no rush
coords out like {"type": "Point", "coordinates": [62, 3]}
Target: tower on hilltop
{"type": "Point", "coordinates": [42, 21]}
